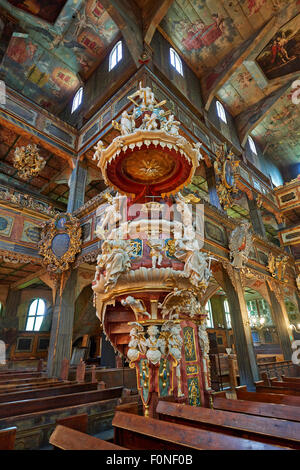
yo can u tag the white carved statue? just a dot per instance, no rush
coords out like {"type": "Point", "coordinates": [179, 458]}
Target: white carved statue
{"type": "Point", "coordinates": [170, 126]}
{"type": "Point", "coordinates": [198, 154]}
{"type": "Point", "coordinates": [150, 122]}
{"type": "Point", "coordinates": [146, 95]}
{"type": "Point", "coordinates": [203, 339]}
{"type": "Point", "coordinates": [112, 215]}
{"type": "Point", "coordinates": [240, 245]}
{"type": "Point", "coordinates": [196, 266]}
{"type": "Point", "coordinates": [113, 261]}
{"type": "Point", "coordinates": [127, 123]}
{"type": "Point", "coordinates": [156, 248]}
{"type": "Point", "coordinates": [174, 344]}
{"type": "Point", "coordinates": [185, 210]}
{"type": "Point", "coordinates": [99, 150]}
{"type": "Point", "coordinates": [153, 343]}
{"type": "Point", "coordinates": [137, 343]}
{"type": "Point", "coordinates": [136, 305]}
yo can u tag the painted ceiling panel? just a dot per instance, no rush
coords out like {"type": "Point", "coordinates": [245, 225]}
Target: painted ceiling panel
{"type": "Point", "coordinates": [47, 62]}
{"type": "Point", "coordinates": [205, 31]}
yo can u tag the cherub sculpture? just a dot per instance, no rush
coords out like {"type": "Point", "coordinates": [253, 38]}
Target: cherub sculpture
{"type": "Point", "coordinates": [99, 150]}
{"type": "Point", "coordinates": [156, 248]}
{"type": "Point", "coordinates": [136, 305]}
{"type": "Point", "coordinates": [170, 126]}
{"type": "Point", "coordinates": [137, 343]}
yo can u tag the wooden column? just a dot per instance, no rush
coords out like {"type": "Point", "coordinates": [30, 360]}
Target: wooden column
{"type": "Point", "coordinates": [12, 303]}
{"type": "Point", "coordinates": [77, 187]}
{"type": "Point", "coordinates": [281, 320]}
{"type": "Point", "coordinates": [60, 346]}
{"type": "Point", "coordinates": [211, 184]}
{"type": "Point", "coordinates": [241, 329]}
{"type": "Point", "coordinates": [256, 217]}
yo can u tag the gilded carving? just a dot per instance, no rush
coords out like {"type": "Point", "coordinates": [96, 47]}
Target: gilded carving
{"type": "Point", "coordinates": [226, 168]}
{"type": "Point", "coordinates": [240, 245]}
{"type": "Point", "coordinates": [60, 242]}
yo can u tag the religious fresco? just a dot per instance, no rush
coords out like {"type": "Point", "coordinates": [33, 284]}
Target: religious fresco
{"type": "Point", "coordinates": [279, 131]}
{"type": "Point", "coordinates": [46, 62]}
{"type": "Point", "coordinates": [281, 56]}
{"type": "Point", "coordinates": [205, 31]}
{"type": "Point", "coordinates": [47, 10]}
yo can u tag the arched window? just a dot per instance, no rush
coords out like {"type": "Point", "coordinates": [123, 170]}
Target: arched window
{"type": "Point", "coordinates": [176, 61]}
{"type": "Point", "coordinates": [209, 320]}
{"type": "Point", "coordinates": [115, 55]}
{"type": "Point", "coordinates": [227, 314]}
{"type": "Point", "coordinates": [252, 145]}
{"type": "Point", "coordinates": [77, 99]}
{"type": "Point", "coordinates": [221, 112]}
{"type": "Point", "coordinates": [35, 315]}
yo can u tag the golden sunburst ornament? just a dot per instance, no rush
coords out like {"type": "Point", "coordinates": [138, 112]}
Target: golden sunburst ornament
{"type": "Point", "coordinates": [28, 162]}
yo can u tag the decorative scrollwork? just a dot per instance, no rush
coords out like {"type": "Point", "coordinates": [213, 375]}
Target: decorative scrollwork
{"type": "Point", "coordinates": [28, 162]}
{"type": "Point", "coordinates": [60, 242]}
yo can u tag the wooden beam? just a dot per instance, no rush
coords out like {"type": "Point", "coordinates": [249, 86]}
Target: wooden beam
{"type": "Point", "coordinates": [128, 18]}
{"type": "Point", "coordinates": [153, 13]}
{"type": "Point", "coordinates": [28, 278]}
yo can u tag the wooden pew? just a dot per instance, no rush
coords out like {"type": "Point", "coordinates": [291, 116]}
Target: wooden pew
{"type": "Point", "coordinates": [30, 386]}
{"type": "Point", "coordinates": [243, 394]}
{"type": "Point", "coordinates": [274, 382]}
{"type": "Point", "coordinates": [20, 374]}
{"type": "Point", "coordinates": [77, 422]}
{"type": "Point", "coordinates": [17, 408]}
{"type": "Point", "coordinates": [7, 438]}
{"type": "Point", "coordinates": [293, 380]}
{"type": "Point", "coordinates": [139, 432]}
{"type": "Point", "coordinates": [68, 439]}
{"type": "Point", "coordinates": [269, 410]}
{"type": "Point", "coordinates": [17, 381]}
{"type": "Point", "coordinates": [132, 407]}
{"type": "Point", "coordinates": [61, 389]}
{"type": "Point", "coordinates": [257, 428]}
{"type": "Point", "coordinates": [261, 387]}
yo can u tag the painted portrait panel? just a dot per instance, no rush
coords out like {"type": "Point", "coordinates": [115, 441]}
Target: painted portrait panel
{"type": "Point", "coordinates": [281, 56]}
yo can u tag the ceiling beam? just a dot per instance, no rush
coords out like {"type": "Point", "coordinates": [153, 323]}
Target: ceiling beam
{"type": "Point", "coordinates": [33, 276]}
{"type": "Point", "coordinates": [127, 17]}
{"type": "Point", "coordinates": [153, 13]}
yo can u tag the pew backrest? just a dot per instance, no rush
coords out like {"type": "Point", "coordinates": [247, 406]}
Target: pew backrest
{"type": "Point", "coordinates": [69, 439]}
{"type": "Point", "coordinates": [7, 438]}
{"type": "Point", "coordinates": [78, 422]}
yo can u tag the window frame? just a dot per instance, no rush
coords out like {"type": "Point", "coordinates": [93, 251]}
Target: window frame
{"type": "Point", "coordinates": [227, 314]}
{"type": "Point", "coordinates": [78, 97]}
{"type": "Point", "coordinates": [118, 51]}
{"type": "Point", "coordinates": [252, 145]}
{"type": "Point", "coordinates": [35, 316]}
{"type": "Point", "coordinates": [210, 319]}
{"type": "Point", "coordinates": [221, 112]}
{"type": "Point", "coordinates": [176, 60]}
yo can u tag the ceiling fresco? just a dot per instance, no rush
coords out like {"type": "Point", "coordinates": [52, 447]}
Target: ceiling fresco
{"type": "Point", "coordinates": [282, 54]}
{"type": "Point", "coordinates": [205, 31]}
{"type": "Point", "coordinates": [48, 62]}
{"type": "Point", "coordinates": [279, 131]}
{"type": "Point", "coordinates": [45, 9]}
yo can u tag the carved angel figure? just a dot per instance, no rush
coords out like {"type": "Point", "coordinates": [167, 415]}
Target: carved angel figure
{"type": "Point", "coordinates": [113, 261]}
{"type": "Point", "coordinates": [99, 150]}
{"type": "Point", "coordinates": [146, 95]}
{"type": "Point", "coordinates": [153, 343]}
{"type": "Point", "coordinates": [170, 126]}
{"type": "Point", "coordinates": [136, 305]}
{"type": "Point", "coordinates": [240, 245]}
{"type": "Point", "coordinates": [112, 215]}
{"type": "Point", "coordinates": [198, 154]}
{"type": "Point", "coordinates": [185, 210]}
{"type": "Point", "coordinates": [196, 268]}
{"type": "Point", "coordinates": [203, 339]}
{"type": "Point", "coordinates": [127, 123]}
{"type": "Point", "coordinates": [150, 122]}
{"type": "Point", "coordinates": [156, 248]}
{"type": "Point", "coordinates": [137, 343]}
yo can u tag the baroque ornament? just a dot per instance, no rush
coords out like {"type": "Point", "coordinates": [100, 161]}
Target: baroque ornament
{"type": "Point", "coordinates": [60, 242]}
{"type": "Point", "coordinates": [28, 162]}
{"type": "Point", "coordinates": [240, 245]}
{"type": "Point", "coordinates": [225, 167]}
{"type": "Point", "coordinates": [277, 266]}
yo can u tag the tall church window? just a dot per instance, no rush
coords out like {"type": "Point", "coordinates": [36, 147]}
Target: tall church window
{"type": "Point", "coordinates": [209, 320]}
{"type": "Point", "coordinates": [36, 312]}
{"type": "Point", "coordinates": [252, 145]}
{"type": "Point", "coordinates": [115, 55]}
{"type": "Point", "coordinates": [227, 314]}
{"type": "Point", "coordinates": [176, 61]}
{"type": "Point", "coordinates": [221, 112]}
{"type": "Point", "coordinates": [77, 100]}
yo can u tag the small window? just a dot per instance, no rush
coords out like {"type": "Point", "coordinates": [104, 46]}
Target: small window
{"type": "Point", "coordinates": [176, 61]}
{"type": "Point", "coordinates": [77, 100]}
{"type": "Point", "coordinates": [252, 145]}
{"type": "Point", "coordinates": [35, 315]}
{"type": "Point", "coordinates": [115, 55]}
{"type": "Point", "coordinates": [209, 320]}
{"type": "Point", "coordinates": [227, 314]}
{"type": "Point", "coordinates": [221, 112]}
